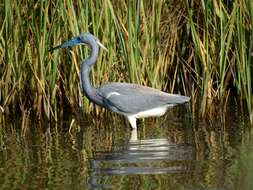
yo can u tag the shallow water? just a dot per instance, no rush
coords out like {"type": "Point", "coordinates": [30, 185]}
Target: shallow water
{"type": "Point", "coordinates": [171, 152]}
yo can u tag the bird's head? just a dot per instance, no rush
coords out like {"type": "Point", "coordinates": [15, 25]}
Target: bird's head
{"type": "Point", "coordinates": [84, 38]}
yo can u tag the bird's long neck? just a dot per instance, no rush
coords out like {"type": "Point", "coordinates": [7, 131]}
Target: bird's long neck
{"type": "Point", "coordinates": [89, 91]}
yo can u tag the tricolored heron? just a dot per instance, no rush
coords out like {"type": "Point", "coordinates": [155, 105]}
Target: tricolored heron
{"type": "Point", "coordinates": [131, 100]}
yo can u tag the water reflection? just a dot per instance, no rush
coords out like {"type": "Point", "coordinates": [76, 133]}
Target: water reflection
{"type": "Point", "coordinates": [171, 152]}
{"type": "Point", "coordinates": [141, 157]}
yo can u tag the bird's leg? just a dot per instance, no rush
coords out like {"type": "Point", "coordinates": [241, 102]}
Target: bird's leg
{"type": "Point", "coordinates": [134, 135]}
{"type": "Point", "coordinates": [132, 121]}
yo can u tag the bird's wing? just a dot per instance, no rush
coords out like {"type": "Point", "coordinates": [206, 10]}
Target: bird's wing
{"type": "Point", "coordinates": [133, 98]}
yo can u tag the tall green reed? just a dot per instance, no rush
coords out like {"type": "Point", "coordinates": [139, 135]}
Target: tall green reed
{"type": "Point", "coordinates": [222, 41]}
{"type": "Point", "coordinates": [198, 48]}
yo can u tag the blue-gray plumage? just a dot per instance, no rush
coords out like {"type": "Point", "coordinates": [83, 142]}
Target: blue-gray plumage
{"type": "Point", "coordinates": [131, 100]}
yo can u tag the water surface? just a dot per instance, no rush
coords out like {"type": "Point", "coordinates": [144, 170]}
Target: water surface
{"type": "Point", "coordinates": [171, 152]}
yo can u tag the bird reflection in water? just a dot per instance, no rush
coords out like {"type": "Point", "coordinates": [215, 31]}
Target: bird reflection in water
{"type": "Point", "coordinates": [141, 157]}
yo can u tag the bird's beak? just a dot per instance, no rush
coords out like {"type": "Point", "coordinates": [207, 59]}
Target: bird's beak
{"type": "Point", "coordinates": [72, 42]}
{"type": "Point", "coordinates": [101, 45]}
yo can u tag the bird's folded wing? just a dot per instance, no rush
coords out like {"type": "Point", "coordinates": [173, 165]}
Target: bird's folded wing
{"type": "Point", "coordinates": [132, 98]}
{"type": "Point", "coordinates": [135, 103]}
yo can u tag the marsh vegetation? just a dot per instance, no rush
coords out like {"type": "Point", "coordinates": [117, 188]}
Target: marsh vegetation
{"type": "Point", "coordinates": [202, 49]}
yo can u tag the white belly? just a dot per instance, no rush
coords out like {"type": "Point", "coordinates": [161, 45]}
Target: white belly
{"type": "Point", "coordinates": [155, 112]}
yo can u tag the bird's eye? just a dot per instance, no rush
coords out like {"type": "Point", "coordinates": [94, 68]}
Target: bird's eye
{"type": "Point", "coordinates": [79, 39]}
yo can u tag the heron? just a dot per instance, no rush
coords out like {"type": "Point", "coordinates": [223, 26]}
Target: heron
{"type": "Point", "coordinates": [128, 99]}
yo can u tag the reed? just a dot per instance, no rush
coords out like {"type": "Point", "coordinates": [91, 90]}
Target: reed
{"type": "Point", "coordinates": [202, 49]}
{"type": "Point", "coordinates": [222, 38]}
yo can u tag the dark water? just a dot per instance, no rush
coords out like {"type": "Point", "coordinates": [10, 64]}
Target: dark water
{"type": "Point", "coordinates": [171, 152]}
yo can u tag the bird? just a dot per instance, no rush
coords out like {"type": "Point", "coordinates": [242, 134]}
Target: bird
{"type": "Point", "coordinates": [131, 100]}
